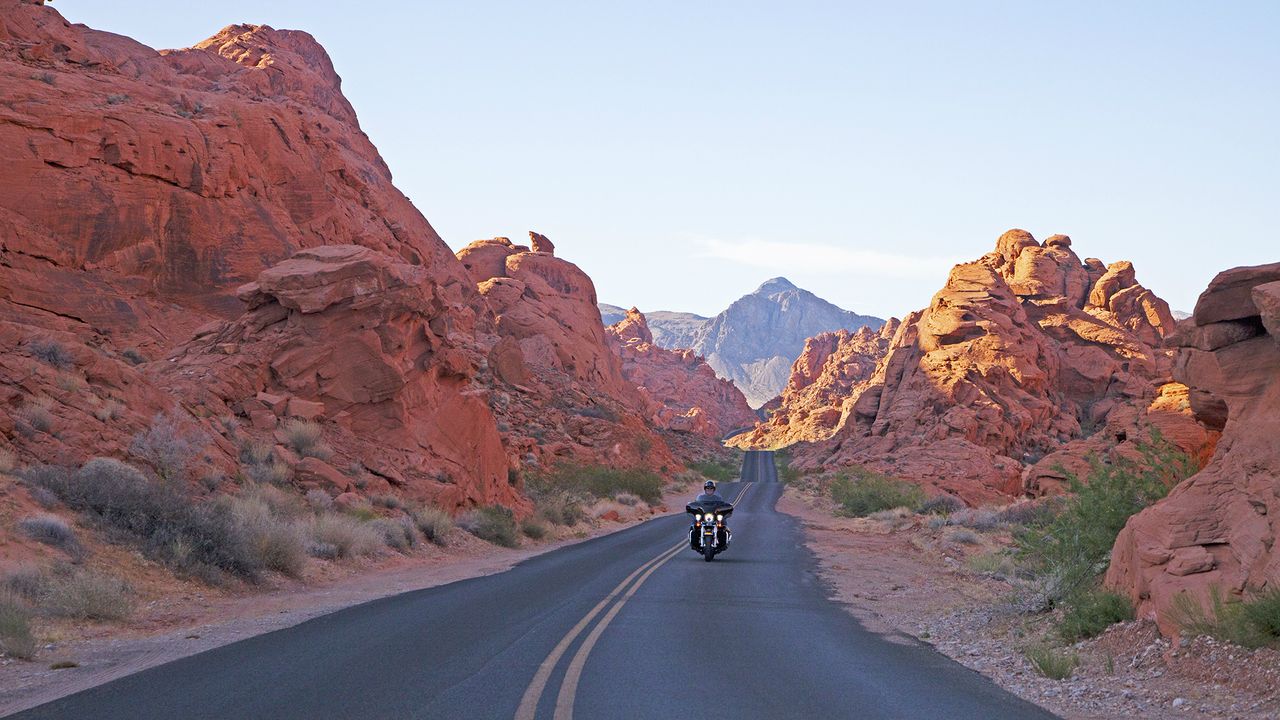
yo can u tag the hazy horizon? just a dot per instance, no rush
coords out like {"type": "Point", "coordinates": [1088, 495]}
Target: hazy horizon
{"type": "Point", "coordinates": [682, 155]}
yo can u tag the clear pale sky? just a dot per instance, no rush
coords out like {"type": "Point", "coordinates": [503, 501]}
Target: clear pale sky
{"type": "Point", "coordinates": [683, 152]}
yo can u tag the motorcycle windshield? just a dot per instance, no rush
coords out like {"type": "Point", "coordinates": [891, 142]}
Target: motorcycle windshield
{"type": "Point", "coordinates": [707, 506]}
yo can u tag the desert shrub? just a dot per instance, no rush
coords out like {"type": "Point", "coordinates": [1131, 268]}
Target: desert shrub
{"type": "Point", "coordinates": [16, 639]}
{"type": "Point", "coordinates": [1052, 663]}
{"type": "Point", "coordinates": [533, 528]}
{"type": "Point", "coordinates": [1032, 512]}
{"type": "Point", "coordinates": [276, 541]}
{"type": "Point", "coordinates": [492, 523]}
{"type": "Point", "coordinates": [117, 98]}
{"type": "Point", "coordinates": [782, 462]}
{"type": "Point", "coordinates": [322, 550]}
{"type": "Point", "coordinates": [46, 77]}
{"type": "Point", "coordinates": [1089, 613]}
{"type": "Point", "coordinates": [132, 356]}
{"type": "Point", "coordinates": [349, 536]}
{"type": "Point", "coordinates": [269, 473]}
{"type": "Point", "coordinates": [319, 500]}
{"type": "Point", "coordinates": [964, 537]}
{"type": "Point", "coordinates": [396, 534]}
{"type": "Point", "coordinates": [600, 482]}
{"type": "Point", "coordinates": [8, 461]}
{"type": "Point", "coordinates": [716, 470]}
{"type": "Point", "coordinates": [202, 538]}
{"type": "Point", "coordinates": [998, 564]}
{"type": "Point", "coordinates": [1075, 545]}
{"type": "Point", "coordinates": [942, 505]}
{"type": "Point", "coordinates": [307, 439]}
{"type": "Point", "coordinates": [281, 503]}
{"type": "Point", "coordinates": [87, 595]}
{"type": "Point", "coordinates": [28, 583]}
{"type": "Point", "coordinates": [434, 523]}
{"type": "Point", "coordinates": [388, 501]}
{"type": "Point", "coordinates": [256, 452]}
{"type": "Point", "coordinates": [51, 352]}
{"type": "Point", "coordinates": [51, 530]}
{"type": "Point", "coordinates": [626, 498]}
{"type": "Point", "coordinates": [69, 382]}
{"type": "Point", "coordinates": [975, 518]}
{"type": "Point", "coordinates": [868, 492]}
{"type": "Point", "coordinates": [109, 411]}
{"type": "Point", "coordinates": [598, 412]}
{"type": "Point", "coordinates": [1252, 623]}
{"type": "Point", "coordinates": [37, 415]}
{"type": "Point", "coordinates": [167, 446]}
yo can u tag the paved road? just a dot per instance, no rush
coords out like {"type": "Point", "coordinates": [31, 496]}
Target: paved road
{"type": "Point", "coordinates": [625, 626]}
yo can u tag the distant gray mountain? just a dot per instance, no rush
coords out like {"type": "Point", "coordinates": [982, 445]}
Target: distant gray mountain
{"type": "Point", "coordinates": [610, 314]}
{"type": "Point", "coordinates": [1181, 315]}
{"type": "Point", "coordinates": [754, 341]}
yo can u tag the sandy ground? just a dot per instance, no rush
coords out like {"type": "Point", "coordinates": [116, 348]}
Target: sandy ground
{"type": "Point", "coordinates": [905, 580]}
{"type": "Point", "coordinates": [187, 618]}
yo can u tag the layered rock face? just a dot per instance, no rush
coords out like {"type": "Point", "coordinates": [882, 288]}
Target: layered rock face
{"type": "Point", "coordinates": [361, 340]}
{"type": "Point", "coordinates": [1023, 350]}
{"type": "Point", "coordinates": [825, 381]}
{"type": "Point", "coordinates": [682, 390]}
{"type": "Point", "coordinates": [1218, 528]}
{"type": "Point", "coordinates": [556, 385]}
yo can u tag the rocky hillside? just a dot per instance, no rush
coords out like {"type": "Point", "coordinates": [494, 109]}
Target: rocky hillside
{"type": "Point", "coordinates": [1022, 352]}
{"type": "Point", "coordinates": [710, 408]}
{"type": "Point", "coordinates": [1215, 531]}
{"type": "Point", "coordinates": [755, 340]}
{"type": "Point", "coordinates": [208, 234]}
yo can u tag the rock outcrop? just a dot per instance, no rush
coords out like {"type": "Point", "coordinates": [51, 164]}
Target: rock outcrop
{"type": "Point", "coordinates": [829, 375]}
{"type": "Point", "coordinates": [1023, 351]}
{"type": "Point", "coordinates": [1217, 529]}
{"type": "Point", "coordinates": [556, 384]}
{"type": "Point", "coordinates": [682, 390]}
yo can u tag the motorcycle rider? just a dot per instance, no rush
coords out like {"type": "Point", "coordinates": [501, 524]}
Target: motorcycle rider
{"type": "Point", "coordinates": [709, 493]}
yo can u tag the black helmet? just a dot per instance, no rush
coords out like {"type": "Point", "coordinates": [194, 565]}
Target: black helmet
{"type": "Point", "coordinates": [709, 485]}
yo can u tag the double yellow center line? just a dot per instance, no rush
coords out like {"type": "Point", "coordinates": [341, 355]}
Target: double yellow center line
{"type": "Point", "coordinates": [569, 686]}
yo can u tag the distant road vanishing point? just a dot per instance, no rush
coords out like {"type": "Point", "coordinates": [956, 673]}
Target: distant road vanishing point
{"type": "Point", "coordinates": [628, 625]}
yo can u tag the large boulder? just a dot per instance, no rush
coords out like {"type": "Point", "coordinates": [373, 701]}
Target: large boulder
{"type": "Point", "coordinates": [1215, 530]}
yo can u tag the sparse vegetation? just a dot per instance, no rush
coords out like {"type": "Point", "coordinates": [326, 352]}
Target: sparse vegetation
{"type": "Point", "coordinates": [533, 528]}
{"type": "Point", "coordinates": [1052, 663]}
{"type": "Point", "coordinates": [964, 537]}
{"type": "Point", "coordinates": [69, 382]}
{"type": "Point", "coordinates": [866, 492]}
{"type": "Point", "coordinates": [434, 523]}
{"type": "Point", "coordinates": [307, 439]}
{"type": "Point", "coordinates": [110, 410]}
{"type": "Point", "coordinates": [8, 462]}
{"type": "Point", "coordinates": [200, 538]}
{"type": "Point", "coordinates": [981, 519]}
{"type": "Point", "coordinates": [942, 505]}
{"type": "Point", "coordinates": [256, 452]}
{"type": "Point", "coordinates": [626, 498]}
{"type": "Point", "coordinates": [319, 500]}
{"type": "Point", "coordinates": [52, 353]}
{"type": "Point", "coordinates": [45, 77]}
{"type": "Point", "coordinates": [167, 446]}
{"type": "Point", "coordinates": [16, 639]}
{"type": "Point", "coordinates": [273, 537]}
{"type": "Point", "coordinates": [87, 595]}
{"type": "Point", "coordinates": [37, 415]}
{"type": "Point", "coordinates": [492, 523]}
{"type": "Point", "coordinates": [599, 482]}
{"type": "Point", "coordinates": [346, 535]}
{"type": "Point", "coordinates": [1089, 613]}
{"type": "Point", "coordinates": [117, 99]}
{"type": "Point", "coordinates": [388, 501]}
{"type": "Point", "coordinates": [396, 534]}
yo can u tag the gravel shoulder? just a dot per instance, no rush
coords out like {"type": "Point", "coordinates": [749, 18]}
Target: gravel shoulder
{"type": "Point", "coordinates": [905, 580]}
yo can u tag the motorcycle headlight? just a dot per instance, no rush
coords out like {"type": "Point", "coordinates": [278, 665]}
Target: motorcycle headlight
{"type": "Point", "coordinates": [697, 518]}
{"type": "Point", "coordinates": [719, 517]}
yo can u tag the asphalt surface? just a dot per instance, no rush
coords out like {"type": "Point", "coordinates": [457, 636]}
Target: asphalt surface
{"type": "Point", "coordinates": [628, 625]}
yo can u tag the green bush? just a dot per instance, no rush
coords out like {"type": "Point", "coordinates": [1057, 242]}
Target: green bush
{"type": "Point", "coordinates": [1075, 545]}
{"type": "Point", "coordinates": [1051, 663]}
{"type": "Point", "coordinates": [16, 639]}
{"type": "Point", "coordinates": [600, 482]}
{"type": "Point", "coordinates": [782, 462]}
{"type": "Point", "coordinates": [717, 470]}
{"type": "Point", "coordinates": [1090, 613]}
{"type": "Point", "coordinates": [493, 523]}
{"type": "Point", "coordinates": [868, 492]}
{"type": "Point", "coordinates": [533, 528]}
{"type": "Point", "coordinates": [1253, 623]}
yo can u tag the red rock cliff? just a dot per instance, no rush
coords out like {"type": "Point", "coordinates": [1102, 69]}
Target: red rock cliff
{"type": "Point", "coordinates": [1217, 529]}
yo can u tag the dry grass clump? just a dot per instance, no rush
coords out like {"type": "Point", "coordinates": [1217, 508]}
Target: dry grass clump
{"type": "Point", "coordinates": [53, 531]}
{"type": "Point", "coordinates": [398, 534]}
{"type": "Point", "coordinates": [65, 591]}
{"type": "Point", "coordinates": [533, 528]}
{"type": "Point", "coordinates": [346, 535]}
{"type": "Point", "coordinates": [37, 414]}
{"type": "Point", "coordinates": [307, 439]}
{"type": "Point", "coordinates": [52, 353]}
{"type": "Point", "coordinates": [110, 410]}
{"type": "Point", "coordinates": [434, 523]}
{"type": "Point", "coordinates": [494, 523]}
{"type": "Point", "coordinates": [167, 446]}
{"type": "Point", "coordinates": [1052, 663]}
{"type": "Point", "coordinates": [8, 461]}
{"type": "Point", "coordinates": [16, 639]}
{"type": "Point", "coordinates": [264, 521]}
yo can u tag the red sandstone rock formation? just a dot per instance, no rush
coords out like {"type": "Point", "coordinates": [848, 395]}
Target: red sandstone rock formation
{"type": "Point", "coordinates": [825, 381]}
{"type": "Point", "coordinates": [1216, 529]}
{"type": "Point", "coordinates": [682, 390]}
{"type": "Point", "coordinates": [1022, 351]}
{"type": "Point", "coordinates": [557, 386]}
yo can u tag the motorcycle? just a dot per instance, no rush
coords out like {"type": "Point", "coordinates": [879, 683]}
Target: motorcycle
{"type": "Point", "coordinates": [709, 536]}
